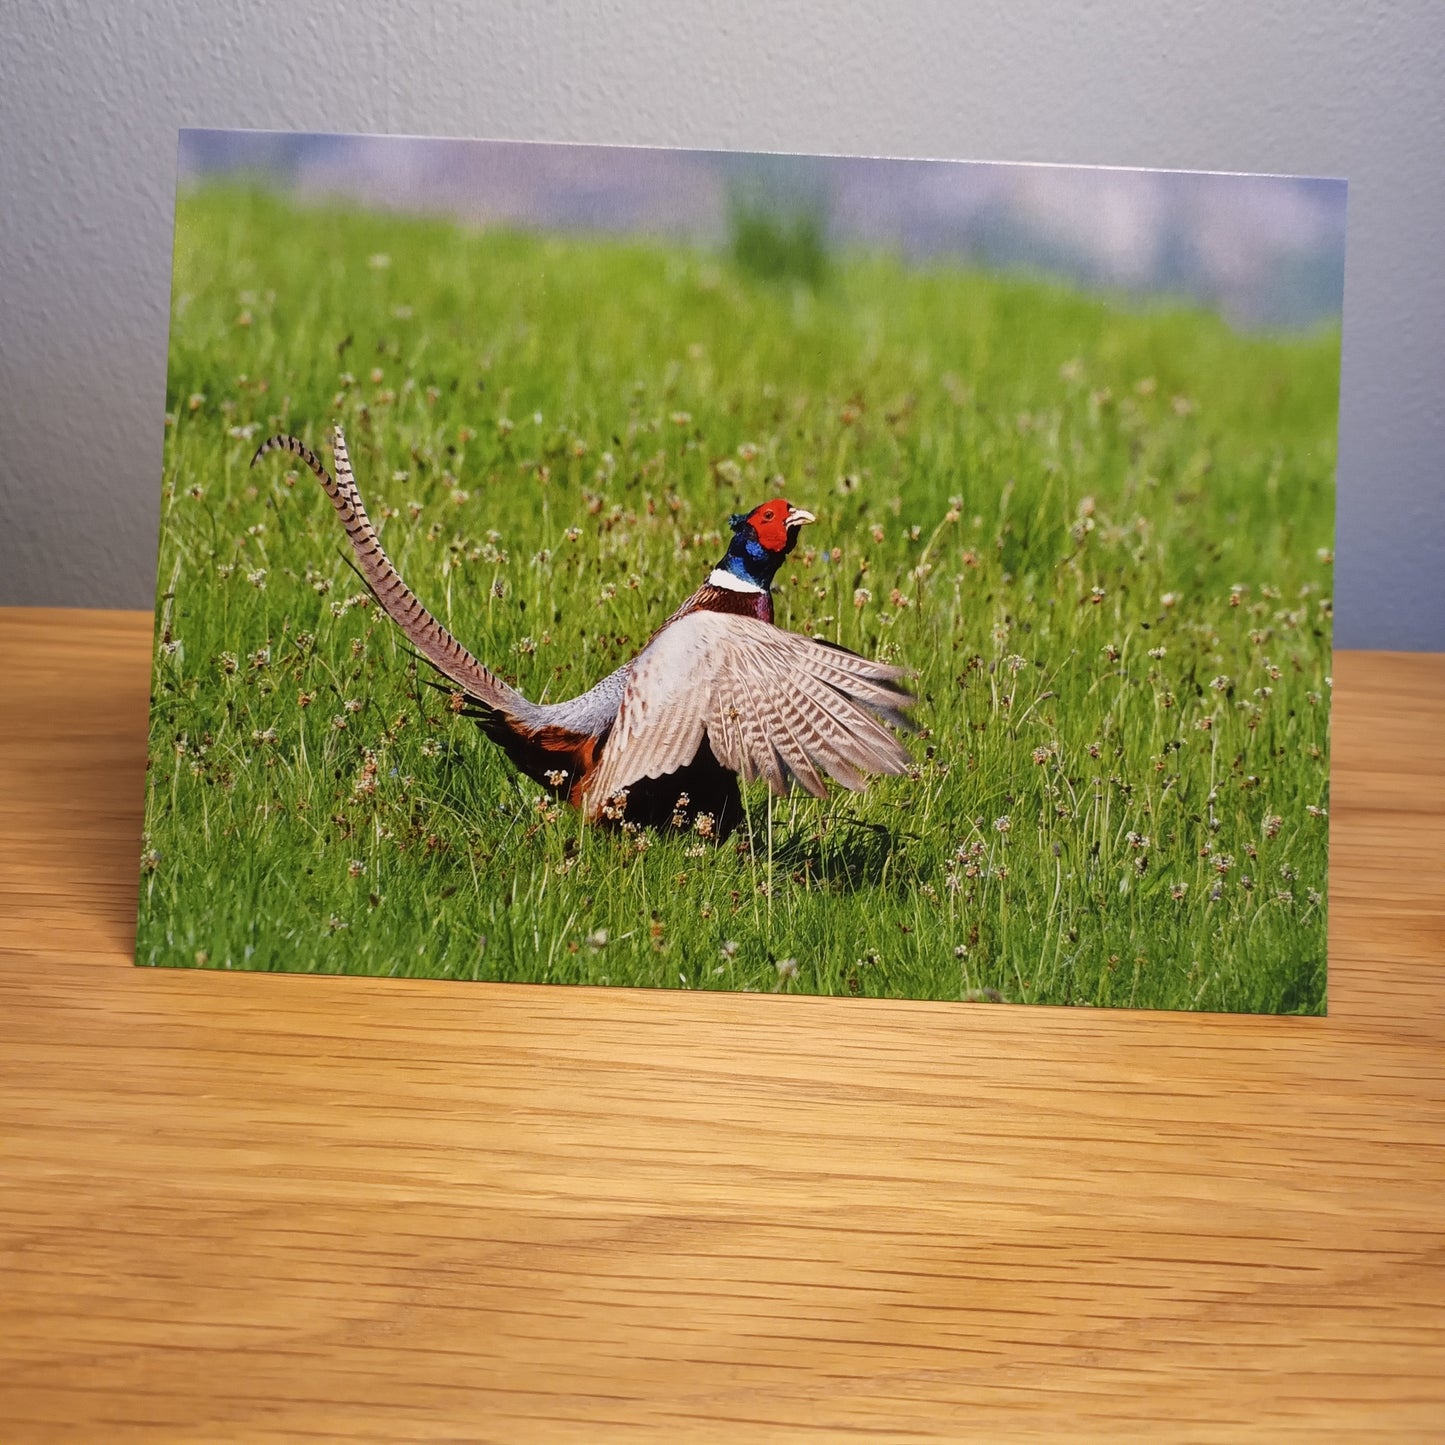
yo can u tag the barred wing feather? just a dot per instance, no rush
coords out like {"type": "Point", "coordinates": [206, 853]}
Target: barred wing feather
{"type": "Point", "coordinates": [772, 704]}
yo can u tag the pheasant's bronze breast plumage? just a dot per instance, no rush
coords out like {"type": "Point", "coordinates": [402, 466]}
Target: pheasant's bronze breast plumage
{"type": "Point", "coordinates": [718, 694]}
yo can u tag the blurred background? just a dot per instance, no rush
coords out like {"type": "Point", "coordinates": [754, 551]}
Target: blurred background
{"type": "Point", "coordinates": [1266, 251]}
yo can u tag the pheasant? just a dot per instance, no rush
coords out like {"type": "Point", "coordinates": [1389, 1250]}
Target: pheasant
{"type": "Point", "coordinates": [718, 694]}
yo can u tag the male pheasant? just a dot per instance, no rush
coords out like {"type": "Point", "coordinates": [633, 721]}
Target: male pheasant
{"type": "Point", "coordinates": [718, 693]}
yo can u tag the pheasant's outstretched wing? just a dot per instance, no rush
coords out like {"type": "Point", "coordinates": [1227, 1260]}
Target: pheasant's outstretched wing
{"type": "Point", "coordinates": [772, 704]}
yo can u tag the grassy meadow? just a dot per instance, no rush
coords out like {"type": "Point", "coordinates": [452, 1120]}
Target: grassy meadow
{"type": "Point", "coordinates": [1100, 533]}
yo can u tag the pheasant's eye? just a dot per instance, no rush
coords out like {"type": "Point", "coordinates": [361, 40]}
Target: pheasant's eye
{"type": "Point", "coordinates": [768, 515]}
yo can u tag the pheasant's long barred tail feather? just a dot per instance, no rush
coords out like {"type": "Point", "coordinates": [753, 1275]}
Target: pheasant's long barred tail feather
{"type": "Point", "coordinates": [422, 630]}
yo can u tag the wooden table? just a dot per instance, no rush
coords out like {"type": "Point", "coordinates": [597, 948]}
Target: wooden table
{"type": "Point", "coordinates": [267, 1208]}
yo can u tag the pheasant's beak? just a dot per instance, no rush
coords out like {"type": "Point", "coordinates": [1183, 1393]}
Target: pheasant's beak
{"type": "Point", "coordinates": [797, 517]}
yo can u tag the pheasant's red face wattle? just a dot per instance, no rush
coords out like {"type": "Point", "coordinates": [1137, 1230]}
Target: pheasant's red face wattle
{"type": "Point", "coordinates": [770, 524]}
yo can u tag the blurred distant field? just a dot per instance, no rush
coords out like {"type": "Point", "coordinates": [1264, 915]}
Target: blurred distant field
{"type": "Point", "coordinates": [1100, 534]}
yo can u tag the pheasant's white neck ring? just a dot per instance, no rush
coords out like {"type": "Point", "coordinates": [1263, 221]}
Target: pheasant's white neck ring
{"type": "Point", "coordinates": [731, 582]}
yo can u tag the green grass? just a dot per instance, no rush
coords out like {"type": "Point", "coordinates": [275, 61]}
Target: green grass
{"type": "Point", "coordinates": [1098, 533]}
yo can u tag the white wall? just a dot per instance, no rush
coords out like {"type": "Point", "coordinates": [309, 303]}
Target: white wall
{"type": "Point", "coordinates": [91, 96]}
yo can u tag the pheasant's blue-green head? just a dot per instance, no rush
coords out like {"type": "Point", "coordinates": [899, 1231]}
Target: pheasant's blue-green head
{"type": "Point", "coordinates": [761, 540]}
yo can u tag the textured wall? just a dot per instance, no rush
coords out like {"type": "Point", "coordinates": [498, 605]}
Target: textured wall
{"type": "Point", "coordinates": [91, 97]}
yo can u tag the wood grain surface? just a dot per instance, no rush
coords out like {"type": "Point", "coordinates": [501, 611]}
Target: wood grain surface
{"type": "Point", "coordinates": [259, 1208]}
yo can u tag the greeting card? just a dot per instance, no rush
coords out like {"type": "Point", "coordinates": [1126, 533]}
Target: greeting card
{"type": "Point", "coordinates": [700, 570]}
